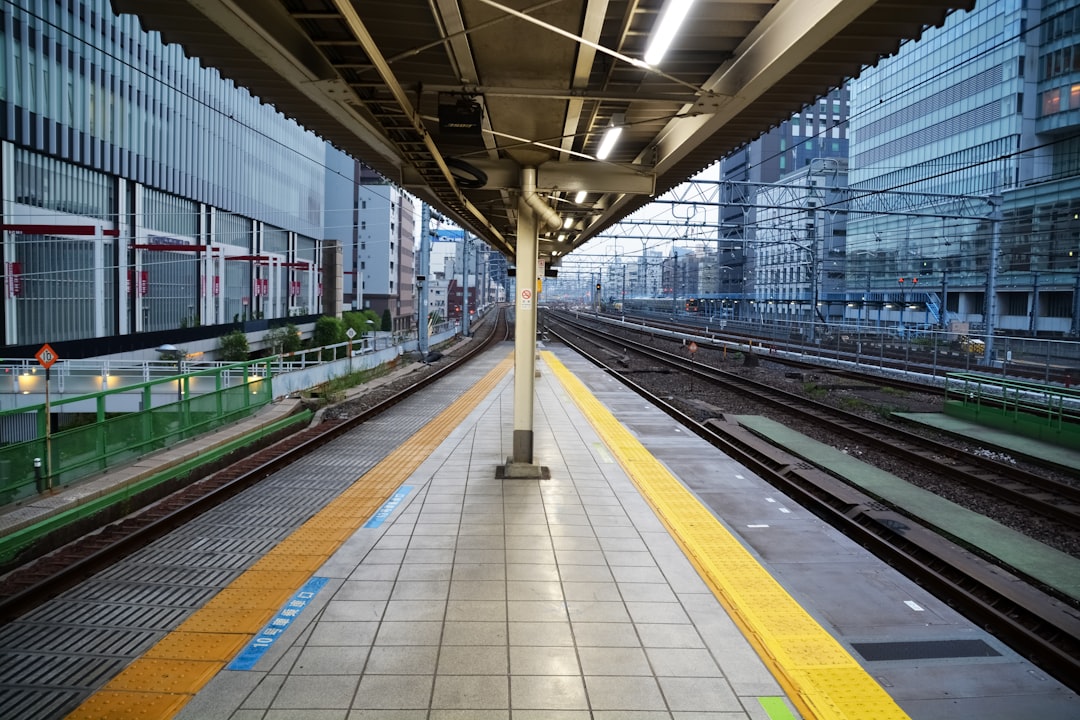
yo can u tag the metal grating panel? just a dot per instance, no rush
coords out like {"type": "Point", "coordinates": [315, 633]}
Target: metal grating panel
{"type": "Point", "coordinates": [78, 640]}
{"type": "Point", "coordinates": [140, 593]}
{"type": "Point", "coordinates": [63, 613]}
{"type": "Point", "coordinates": [231, 530]}
{"type": "Point", "coordinates": [926, 650]}
{"type": "Point", "coordinates": [196, 559]}
{"type": "Point", "coordinates": [169, 575]}
{"type": "Point", "coordinates": [234, 545]}
{"type": "Point", "coordinates": [31, 704]}
{"type": "Point", "coordinates": [57, 670]}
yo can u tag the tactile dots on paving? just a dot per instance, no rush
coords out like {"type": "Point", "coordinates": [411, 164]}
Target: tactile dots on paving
{"type": "Point", "coordinates": [165, 676]}
{"type": "Point", "coordinates": [198, 646]}
{"type": "Point", "coordinates": [846, 694]}
{"type": "Point", "coordinates": [314, 531]}
{"type": "Point", "coordinates": [270, 578]}
{"type": "Point", "coordinates": [250, 598]}
{"type": "Point", "coordinates": [289, 563]}
{"type": "Point", "coordinates": [226, 620]}
{"type": "Point", "coordinates": [810, 652]}
{"type": "Point", "coordinates": [128, 706]}
{"type": "Point", "coordinates": [309, 545]}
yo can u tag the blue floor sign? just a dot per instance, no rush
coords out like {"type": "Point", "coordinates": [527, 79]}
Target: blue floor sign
{"type": "Point", "coordinates": [389, 506]}
{"type": "Point", "coordinates": [262, 642]}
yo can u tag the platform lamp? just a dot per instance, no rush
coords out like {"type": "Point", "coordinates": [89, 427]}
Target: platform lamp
{"type": "Point", "coordinates": [374, 335]}
{"type": "Point", "coordinates": [171, 352]}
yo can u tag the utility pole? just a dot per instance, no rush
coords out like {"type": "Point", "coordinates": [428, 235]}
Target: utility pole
{"type": "Point", "coordinates": [423, 263]}
{"type": "Point", "coordinates": [675, 283]}
{"type": "Point", "coordinates": [1034, 328]}
{"type": "Point", "coordinates": [466, 242]}
{"type": "Point", "coordinates": [624, 287]}
{"type": "Point", "coordinates": [990, 303]}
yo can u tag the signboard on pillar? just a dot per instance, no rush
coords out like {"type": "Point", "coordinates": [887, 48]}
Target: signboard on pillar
{"type": "Point", "coordinates": [525, 299]}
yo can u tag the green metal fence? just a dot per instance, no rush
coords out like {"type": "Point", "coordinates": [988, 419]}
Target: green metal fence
{"type": "Point", "coordinates": [1044, 412]}
{"type": "Point", "coordinates": [206, 400]}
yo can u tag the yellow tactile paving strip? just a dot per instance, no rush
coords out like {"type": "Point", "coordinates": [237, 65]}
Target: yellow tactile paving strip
{"type": "Point", "coordinates": [158, 684]}
{"type": "Point", "coordinates": [818, 674]}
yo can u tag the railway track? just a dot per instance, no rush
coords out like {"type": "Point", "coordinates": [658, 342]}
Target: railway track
{"type": "Point", "coordinates": [41, 579]}
{"type": "Point", "coordinates": [1035, 624]}
{"type": "Point", "coordinates": [1045, 496]}
{"type": "Point", "coordinates": [871, 351]}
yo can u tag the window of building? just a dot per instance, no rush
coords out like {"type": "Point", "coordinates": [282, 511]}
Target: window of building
{"type": "Point", "coordinates": [1051, 101]}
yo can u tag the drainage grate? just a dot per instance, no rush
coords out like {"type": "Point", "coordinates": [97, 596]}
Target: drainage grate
{"type": "Point", "coordinates": [925, 650]}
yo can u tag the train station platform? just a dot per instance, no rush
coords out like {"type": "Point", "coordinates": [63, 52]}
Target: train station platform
{"type": "Point", "coordinates": [650, 576]}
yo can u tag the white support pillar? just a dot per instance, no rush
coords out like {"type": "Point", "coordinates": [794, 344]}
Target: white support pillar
{"type": "Point", "coordinates": [524, 333]}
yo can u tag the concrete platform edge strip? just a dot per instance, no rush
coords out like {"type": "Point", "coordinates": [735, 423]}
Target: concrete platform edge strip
{"type": "Point", "coordinates": [163, 680]}
{"type": "Point", "coordinates": [821, 678]}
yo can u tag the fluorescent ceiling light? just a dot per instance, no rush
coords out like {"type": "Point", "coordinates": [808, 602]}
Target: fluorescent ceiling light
{"type": "Point", "coordinates": [671, 18]}
{"type": "Point", "coordinates": [562, 236]}
{"type": "Point", "coordinates": [580, 197]}
{"type": "Point", "coordinates": [567, 223]}
{"type": "Point", "coordinates": [607, 144]}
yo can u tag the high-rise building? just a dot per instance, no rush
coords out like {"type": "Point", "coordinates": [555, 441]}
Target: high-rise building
{"type": "Point", "coordinates": [145, 199]}
{"type": "Point", "coordinates": [979, 121]}
{"type": "Point", "coordinates": [818, 132]}
{"type": "Point", "coordinates": [386, 239]}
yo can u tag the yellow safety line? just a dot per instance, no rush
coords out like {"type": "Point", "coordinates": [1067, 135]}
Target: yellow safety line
{"type": "Point", "coordinates": [160, 682]}
{"type": "Point", "coordinates": [818, 674]}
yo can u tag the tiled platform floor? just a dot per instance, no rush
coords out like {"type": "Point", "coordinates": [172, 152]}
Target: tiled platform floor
{"type": "Point", "coordinates": [485, 598]}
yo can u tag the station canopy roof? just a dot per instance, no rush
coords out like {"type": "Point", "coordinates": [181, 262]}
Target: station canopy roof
{"type": "Point", "coordinates": [451, 99]}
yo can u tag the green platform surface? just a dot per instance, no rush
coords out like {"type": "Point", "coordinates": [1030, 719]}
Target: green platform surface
{"type": "Point", "coordinates": [1064, 457]}
{"type": "Point", "coordinates": [1030, 557]}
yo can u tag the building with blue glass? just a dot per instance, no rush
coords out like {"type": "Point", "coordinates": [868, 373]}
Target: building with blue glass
{"type": "Point", "coordinates": [973, 134]}
{"type": "Point", "coordinates": [145, 199]}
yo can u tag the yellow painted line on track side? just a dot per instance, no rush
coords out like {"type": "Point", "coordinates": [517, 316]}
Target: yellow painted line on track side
{"type": "Point", "coordinates": [164, 679]}
{"type": "Point", "coordinates": [818, 674]}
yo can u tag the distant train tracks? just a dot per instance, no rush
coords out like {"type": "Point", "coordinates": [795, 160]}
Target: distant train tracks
{"type": "Point", "coordinates": [39, 580]}
{"type": "Point", "coordinates": [1036, 624]}
{"type": "Point", "coordinates": [870, 349]}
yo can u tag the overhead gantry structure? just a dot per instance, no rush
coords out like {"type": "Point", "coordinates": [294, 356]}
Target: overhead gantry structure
{"type": "Point", "coordinates": [500, 113]}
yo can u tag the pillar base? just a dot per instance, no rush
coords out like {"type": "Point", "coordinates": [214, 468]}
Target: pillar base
{"type": "Point", "coordinates": [521, 471]}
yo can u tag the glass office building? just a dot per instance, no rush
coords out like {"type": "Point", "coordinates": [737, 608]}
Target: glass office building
{"type": "Point", "coordinates": [965, 148]}
{"type": "Point", "coordinates": [141, 191]}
